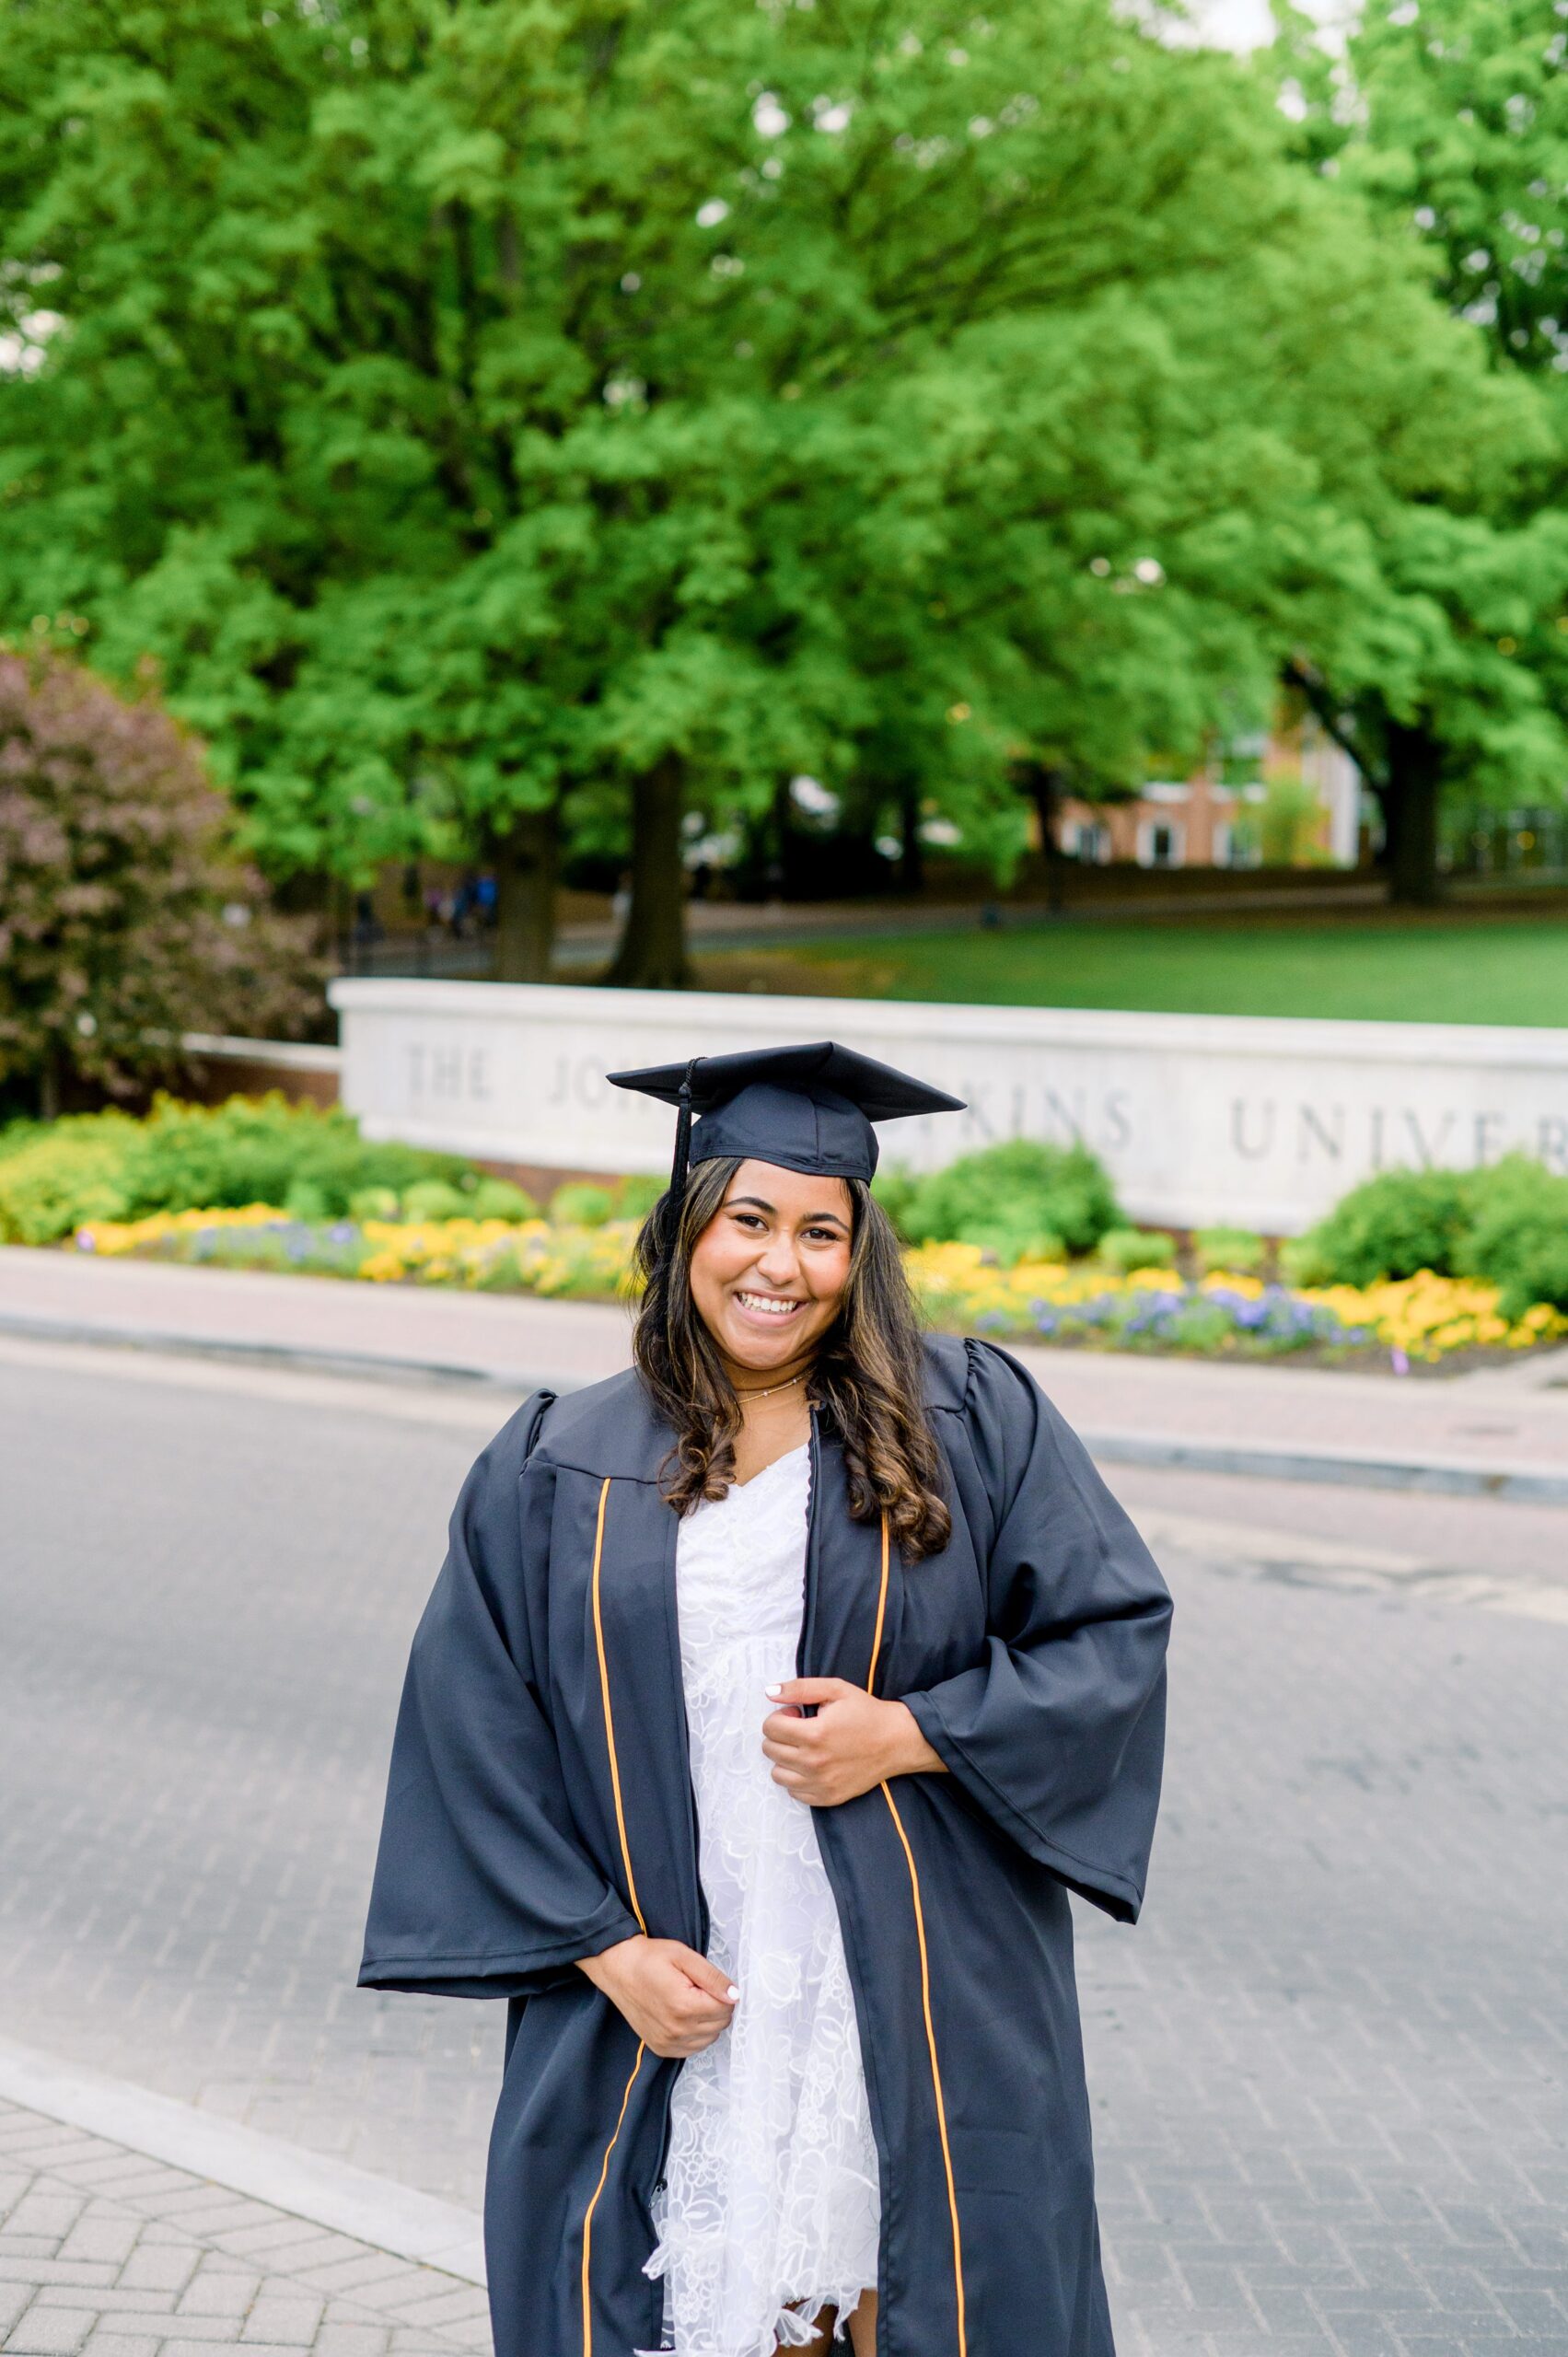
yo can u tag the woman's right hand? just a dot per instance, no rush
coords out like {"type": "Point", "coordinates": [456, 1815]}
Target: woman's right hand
{"type": "Point", "coordinates": [676, 2001]}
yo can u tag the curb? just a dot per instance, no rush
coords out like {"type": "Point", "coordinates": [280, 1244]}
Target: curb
{"type": "Point", "coordinates": [1354, 1469]}
{"type": "Point", "coordinates": [371, 2210]}
{"type": "Point", "coordinates": [364, 1365]}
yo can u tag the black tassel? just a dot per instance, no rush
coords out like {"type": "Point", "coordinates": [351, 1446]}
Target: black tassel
{"type": "Point", "coordinates": [682, 1136]}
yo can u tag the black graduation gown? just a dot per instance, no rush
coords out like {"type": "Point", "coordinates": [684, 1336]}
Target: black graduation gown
{"type": "Point", "coordinates": [539, 1808]}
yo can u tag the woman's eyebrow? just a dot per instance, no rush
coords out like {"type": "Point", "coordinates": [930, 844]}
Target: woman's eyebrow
{"type": "Point", "coordinates": [760, 1204]}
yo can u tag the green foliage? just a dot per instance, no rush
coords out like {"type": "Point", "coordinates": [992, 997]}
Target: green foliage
{"type": "Point", "coordinates": [433, 1199]}
{"type": "Point", "coordinates": [1126, 1249]}
{"type": "Point", "coordinates": [1507, 1224]}
{"type": "Point", "coordinates": [1450, 120]}
{"type": "Point", "coordinates": [1392, 1225]}
{"type": "Point", "coordinates": [895, 1187]}
{"type": "Point", "coordinates": [1233, 1250]}
{"type": "Point", "coordinates": [1288, 820]}
{"type": "Point", "coordinates": [257, 1150]}
{"type": "Point", "coordinates": [54, 1177]}
{"type": "Point", "coordinates": [1018, 1200]}
{"type": "Point", "coordinates": [1517, 1237]}
{"type": "Point", "coordinates": [510, 412]}
{"type": "Point", "coordinates": [582, 1204]}
{"type": "Point", "coordinates": [250, 1150]}
{"type": "Point", "coordinates": [500, 1199]}
{"type": "Point", "coordinates": [373, 1202]}
{"type": "Point", "coordinates": [637, 1194]}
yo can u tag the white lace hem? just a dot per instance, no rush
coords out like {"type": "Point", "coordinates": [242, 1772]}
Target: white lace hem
{"type": "Point", "coordinates": [795, 2327]}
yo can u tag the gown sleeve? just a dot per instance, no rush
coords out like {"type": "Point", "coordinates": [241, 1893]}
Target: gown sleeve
{"type": "Point", "coordinates": [1058, 1733]}
{"type": "Point", "coordinates": [481, 1887]}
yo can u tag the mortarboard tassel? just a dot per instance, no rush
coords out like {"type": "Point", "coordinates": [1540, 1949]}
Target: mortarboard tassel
{"type": "Point", "coordinates": [683, 1135]}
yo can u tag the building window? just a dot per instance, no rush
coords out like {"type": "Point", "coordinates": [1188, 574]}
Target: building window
{"type": "Point", "coordinates": [1235, 846]}
{"type": "Point", "coordinates": [1160, 842]}
{"type": "Point", "coordinates": [1086, 840]}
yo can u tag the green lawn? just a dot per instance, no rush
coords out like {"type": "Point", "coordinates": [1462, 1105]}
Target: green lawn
{"type": "Point", "coordinates": [1480, 972]}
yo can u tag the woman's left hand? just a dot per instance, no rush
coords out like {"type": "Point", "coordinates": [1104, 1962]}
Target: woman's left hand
{"type": "Point", "coordinates": [854, 1742]}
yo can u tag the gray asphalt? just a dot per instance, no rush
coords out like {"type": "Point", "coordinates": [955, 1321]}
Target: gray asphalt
{"type": "Point", "coordinates": [1328, 2069]}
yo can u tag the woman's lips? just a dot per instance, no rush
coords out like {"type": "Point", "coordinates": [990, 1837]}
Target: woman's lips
{"type": "Point", "coordinates": [776, 1309]}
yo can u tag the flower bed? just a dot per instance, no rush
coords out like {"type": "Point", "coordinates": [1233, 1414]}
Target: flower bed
{"type": "Point", "coordinates": [485, 1255]}
{"type": "Point", "coordinates": [1421, 1318]}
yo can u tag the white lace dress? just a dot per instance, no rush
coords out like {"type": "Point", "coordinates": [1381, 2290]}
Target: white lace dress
{"type": "Point", "coordinates": [771, 2205]}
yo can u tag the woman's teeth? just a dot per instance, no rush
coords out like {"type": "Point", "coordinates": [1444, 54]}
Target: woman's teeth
{"type": "Point", "coordinates": [774, 1307]}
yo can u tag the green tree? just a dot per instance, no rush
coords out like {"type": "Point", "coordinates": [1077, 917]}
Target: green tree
{"type": "Point", "coordinates": [514, 424]}
{"type": "Point", "coordinates": [498, 420]}
{"type": "Point", "coordinates": [125, 918]}
{"type": "Point", "coordinates": [1449, 119]}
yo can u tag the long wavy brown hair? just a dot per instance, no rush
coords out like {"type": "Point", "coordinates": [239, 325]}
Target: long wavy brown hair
{"type": "Point", "coordinates": [869, 1376]}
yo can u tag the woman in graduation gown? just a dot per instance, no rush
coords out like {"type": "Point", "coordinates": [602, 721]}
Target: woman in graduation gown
{"type": "Point", "coordinates": [975, 1724]}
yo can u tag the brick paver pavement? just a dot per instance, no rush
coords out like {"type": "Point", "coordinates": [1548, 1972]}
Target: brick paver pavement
{"type": "Point", "coordinates": [1327, 2070]}
{"type": "Point", "coordinates": [104, 2253]}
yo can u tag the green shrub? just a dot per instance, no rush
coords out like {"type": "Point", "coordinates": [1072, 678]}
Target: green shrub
{"type": "Point", "coordinates": [374, 1203]}
{"type": "Point", "coordinates": [1125, 1248]}
{"type": "Point", "coordinates": [435, 1199]}
{"type": "Point", "coordinates": [1015, 1199]}
{"type": "Point", "coordinates": [637, 1193]}
{"type": "Point", "coordinates": [307, 1200]}
{"type": "Point", "coordinates": [895, 1187]}
{"type": "Point", "coordinates": [1235, 1249]}
{"type": "Point", "coordinates": [253, 1150]}
{"type": "Point", "coordinates": [499, 1198]}
{"type": "Point", "coordinates": [1389, 1227]}
{"type": "Point", "coordinates": [1519, 1235]}
{"type": "Point", "coordinates": [55, 1177]}
{"type": "Point", "coordinates": [198, 1158]}
{"type": "Point", "coordinates": [581, 1205]}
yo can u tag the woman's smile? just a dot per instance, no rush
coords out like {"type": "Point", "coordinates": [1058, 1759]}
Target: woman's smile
{"type": "Point", "coordinates": [773, 1306]}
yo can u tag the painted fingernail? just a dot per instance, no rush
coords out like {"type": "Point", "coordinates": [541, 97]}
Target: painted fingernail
{"type": "Point", "coordinates": [732, 1993]}
{"type": "Point", "coordinates": [772, 1692]}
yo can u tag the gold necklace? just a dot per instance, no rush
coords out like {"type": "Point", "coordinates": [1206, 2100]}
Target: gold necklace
{"type": "Point", "coordinates": [772, 1387]}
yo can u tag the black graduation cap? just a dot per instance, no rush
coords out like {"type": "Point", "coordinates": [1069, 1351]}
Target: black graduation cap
{"type": "Point", "coordinates": [805, 1108]}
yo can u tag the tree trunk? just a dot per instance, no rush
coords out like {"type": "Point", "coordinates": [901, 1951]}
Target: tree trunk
{"type": "Point", "coordinates": [525, 860]}
{"type": "Point", "coordinates": [1045, 787]}
{"type": "Point", "coordinates": [651, 953]}
{"type": "Point", "coordinates": [48, 1089]}
{"type": "Point", "coordinates": [1410, 797]}
{"type": "Point", "coordinates": [912, 856]}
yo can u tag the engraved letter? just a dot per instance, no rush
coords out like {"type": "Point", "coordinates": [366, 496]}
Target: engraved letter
{"type": "Point", "coordinates": [1486, 1146]}
{"type": "Point", "coordinates": [1551, 1142]}
{"type": "Point", "coordinates": [1238, 1137]}
{"type": "Point", "coordinates": [1427, 1155]}
{"type": "Point", "coordinates": [1312, 1128]}
{"type": "Point", "coordinates": [1118, 1127]}
{"type": "Point", "coordinates": [1069, 1116]}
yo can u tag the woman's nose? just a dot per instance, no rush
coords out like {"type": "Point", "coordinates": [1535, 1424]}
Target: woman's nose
{"type": "Point", "coordinates": [778, 1263]}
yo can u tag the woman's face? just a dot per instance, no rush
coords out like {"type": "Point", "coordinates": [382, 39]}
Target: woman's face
{"type": "Point", "coordinates": [769, 1271]}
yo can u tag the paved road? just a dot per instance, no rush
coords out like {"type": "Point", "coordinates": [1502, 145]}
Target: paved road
{"type": "Point", "coordinates": [1328, 2069]}
{"type": "Point", "coordinates": [106, 2253]}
